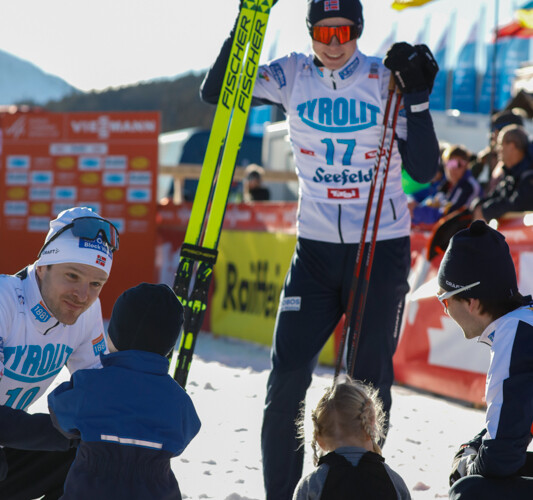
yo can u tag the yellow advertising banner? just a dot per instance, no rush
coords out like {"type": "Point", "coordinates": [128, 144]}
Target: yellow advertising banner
{"type": "Point", "coordinates": [403, 4]}
{"type": "Point", "coordinates": [249, 276]}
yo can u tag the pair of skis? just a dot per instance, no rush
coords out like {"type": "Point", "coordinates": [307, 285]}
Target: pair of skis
{"type": "Point", "coordinates": [199, 250]}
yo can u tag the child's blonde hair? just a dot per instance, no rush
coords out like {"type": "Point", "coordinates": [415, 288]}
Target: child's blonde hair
{"type": "Point", "coordinates": [349, 408]}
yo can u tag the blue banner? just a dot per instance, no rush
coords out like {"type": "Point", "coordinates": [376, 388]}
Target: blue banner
{"type": "Point", "coordinates": [464, 84]}
{"type": "Point", "coordinates": [259, 116]}
{"type": "Point", "coordinates": [511, 52]}
{"type": "Point", "coordinates": [437, 99]}
{"type": "Point", "coordinates": [465, 81]}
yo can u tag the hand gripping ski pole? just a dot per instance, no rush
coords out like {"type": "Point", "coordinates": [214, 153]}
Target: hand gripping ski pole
{"type": "Point", "coordinates": [359, 288]}
{"type": "Point", "coordinates": [199, 250]}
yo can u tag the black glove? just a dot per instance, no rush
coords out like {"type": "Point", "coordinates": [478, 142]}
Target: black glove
{"type": "Point", "coordinates": [430, 68]}
{"type": "Point", "coordinates": [465, 456]}
{"type": "Point", "coordinates": [406, 64]}
{"type": "Point", "coordinates": [461, 460]}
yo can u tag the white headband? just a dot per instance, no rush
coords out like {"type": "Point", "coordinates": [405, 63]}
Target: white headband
{"type": "Point", "coordinates": [68, 248]}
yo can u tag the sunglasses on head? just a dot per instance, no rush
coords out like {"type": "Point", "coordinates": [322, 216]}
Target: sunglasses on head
{"type": "Point", "coordinates": [89, 228]}
{"type": "Point", "coordinates": [324, 34]}
{"type": "Point", "coordinates": [443, 297]}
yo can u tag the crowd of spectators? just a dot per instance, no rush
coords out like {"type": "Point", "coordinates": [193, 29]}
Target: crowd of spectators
{"type": "Point", "coordinates": [494, 182]}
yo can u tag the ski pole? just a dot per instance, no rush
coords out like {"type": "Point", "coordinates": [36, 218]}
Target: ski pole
{"type": "Point", "coordinates": [370, 255]}
{"type": "Point", "coordinates": [358, 260]}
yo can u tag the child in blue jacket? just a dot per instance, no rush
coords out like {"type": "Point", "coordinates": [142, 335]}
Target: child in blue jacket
{"type": "Point", "coordinates": [131, 415]}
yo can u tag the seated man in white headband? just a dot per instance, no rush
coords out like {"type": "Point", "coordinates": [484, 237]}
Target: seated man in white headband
{"type": "Point", "coordinates": [50, 316]}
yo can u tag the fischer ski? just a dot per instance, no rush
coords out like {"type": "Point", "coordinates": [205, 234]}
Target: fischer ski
{"type": "Point", "coordinates": [199, 250]}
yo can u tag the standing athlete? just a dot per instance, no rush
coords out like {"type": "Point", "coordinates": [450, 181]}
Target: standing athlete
{"type": "Point", "coordinates": [334, 100]}
{"type": "Point", "coordinates": [50, 316]}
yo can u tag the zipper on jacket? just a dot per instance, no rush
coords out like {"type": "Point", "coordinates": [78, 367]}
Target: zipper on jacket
{"type": "Point", "coordinates": [51, 328]}
{"type": "Point", "coordinates": [333, 81]}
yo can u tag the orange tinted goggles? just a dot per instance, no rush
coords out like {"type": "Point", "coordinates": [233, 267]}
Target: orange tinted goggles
{"type": "Point", "coordinates": [324, 34]}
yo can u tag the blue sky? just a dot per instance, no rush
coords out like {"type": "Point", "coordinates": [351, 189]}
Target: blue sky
{"type": "Point", "coordinates": [107, 43]}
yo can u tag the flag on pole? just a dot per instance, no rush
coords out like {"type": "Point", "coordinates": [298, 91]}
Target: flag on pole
{"type": "Point", "coordinates": [525, 15]}
{"type": "Point", "coordinates": [403, 4]}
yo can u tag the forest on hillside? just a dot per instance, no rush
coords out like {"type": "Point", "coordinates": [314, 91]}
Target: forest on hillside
{"type": "Point", "coordinates": [178, 101]}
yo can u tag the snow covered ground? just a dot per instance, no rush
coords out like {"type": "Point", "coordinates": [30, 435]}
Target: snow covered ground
{"type": "Point", "coordinates": [227, 384]}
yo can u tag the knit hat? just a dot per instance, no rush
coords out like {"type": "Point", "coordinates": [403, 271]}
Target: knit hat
{"type": "Point", "coordinates": [506, 117]}
{"type": "Point", "coordinates": [321, 9]}
{"type": "Point", "coordinates": [479, 253]}
{"type": "Point", "coordinates": [62, 246]}
{"type": "Point", "coordinates": [147, 317]}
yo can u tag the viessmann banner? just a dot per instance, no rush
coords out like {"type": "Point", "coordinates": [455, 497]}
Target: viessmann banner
{"type": "Point", "coordinates": [105, 161]}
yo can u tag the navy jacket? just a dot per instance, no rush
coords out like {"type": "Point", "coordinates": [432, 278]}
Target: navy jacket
{"type": "Point", "coordinates": [509, 396]}
{"type": "Point", "coordinates": [513, 194]}
{"type": "Point", "coordinates": [25, 431]}
{"type": "Point", "coordinates": [132, 418]}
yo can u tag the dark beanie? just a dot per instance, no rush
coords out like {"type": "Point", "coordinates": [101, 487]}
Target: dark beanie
{"type": "Point", "coordinates": [320, 9]}
{"type": "Point", "coordinates": [147, 317]}
{"type": "Point", "coordinates": [504, 118]}
{"type": "Point", "coordinates": [479, 253]}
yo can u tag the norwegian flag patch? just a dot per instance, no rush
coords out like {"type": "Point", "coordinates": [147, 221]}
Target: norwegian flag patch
{"type": "Point", "coordinates": [101, 260]}
{"type": "Point", "coordinates": [330, 5]}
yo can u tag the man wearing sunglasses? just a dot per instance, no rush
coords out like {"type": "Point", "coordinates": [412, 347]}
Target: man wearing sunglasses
{"type": "Point", "coordinates": [335, 99]}
{"type": "Point", "coordinates": [478, 289]}
{"type": "Point", "coordinates": [50, 316]}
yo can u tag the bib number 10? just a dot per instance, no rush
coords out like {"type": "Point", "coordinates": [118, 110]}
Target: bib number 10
{"type": "Point", "coordinates": [25, 399]}
{"type": "Point", "coordinates": [347, 144]}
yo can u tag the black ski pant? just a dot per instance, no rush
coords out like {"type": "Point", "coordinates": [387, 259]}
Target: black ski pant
{"type": "Point", "coordinates": [34, 474]}
{"type": "Point", "coordinates": [519, 487]}
{"type": "Point", "coordinates": [314, 297]}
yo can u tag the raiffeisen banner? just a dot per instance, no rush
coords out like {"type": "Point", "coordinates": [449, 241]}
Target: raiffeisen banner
{"type": "Point", "coordinates": [249, 276]}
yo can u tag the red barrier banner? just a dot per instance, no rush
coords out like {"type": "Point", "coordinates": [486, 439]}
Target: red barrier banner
{"type": "Point", "coordinates": [105, 161]}
{"type": "Point", "coordinates": [259, 216]}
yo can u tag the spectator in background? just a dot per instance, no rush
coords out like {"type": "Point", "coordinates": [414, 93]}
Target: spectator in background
{"type": "Point", "coordinates": [253, 188]}
{"type": "Point", "coordinates": [514, 193]}
{"type": "Point", "coordinates": [483, 165]}
{"type": "Point", "coordinates": [457, 190]}
{"type": "Point", "coordinates": [487, 170]}
{"type": "Point", "coordinates": [430, 189]}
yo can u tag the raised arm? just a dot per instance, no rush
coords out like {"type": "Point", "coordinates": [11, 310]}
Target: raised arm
{"type": "Point", "coordinates": [414, 70]}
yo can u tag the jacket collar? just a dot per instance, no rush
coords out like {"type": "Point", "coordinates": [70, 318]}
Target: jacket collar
{"type": "Point", "coordinates": [339, 78]}
{"type": "Point", "coordinates": [517, 170]}
{"type": "Point", "coordinates": [141, 361]}
{"type": "Point", "coordinates": [40, 316]}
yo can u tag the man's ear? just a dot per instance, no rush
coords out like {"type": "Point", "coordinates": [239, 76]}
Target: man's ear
{"type": "Point", "coordinates": [40, 271]}
{"type": "Point", "coordinates": [474, 306]}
